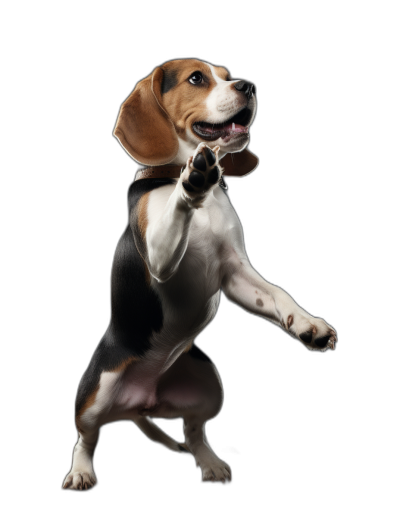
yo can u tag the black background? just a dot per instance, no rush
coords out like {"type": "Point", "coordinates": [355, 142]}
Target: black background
{"type": "Point", "coordinates": [286, 421]}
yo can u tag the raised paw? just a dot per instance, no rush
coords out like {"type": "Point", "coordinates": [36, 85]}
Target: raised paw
{"type": "Point", "coordinates": [79, 481]}
{"type": "Point", "coordinates": [201, 173]}
{"type": "Point", "coordinates": [313, 332]}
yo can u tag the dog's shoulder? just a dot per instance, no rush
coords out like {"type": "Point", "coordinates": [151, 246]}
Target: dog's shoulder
{"type": "Point", "coordinates": [141, 187]}
{"type": "Point", "coordinates": [138, 201]}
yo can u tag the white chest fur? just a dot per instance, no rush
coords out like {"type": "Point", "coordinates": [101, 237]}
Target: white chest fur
{"type": "Point", "coordinates": [190, 296]}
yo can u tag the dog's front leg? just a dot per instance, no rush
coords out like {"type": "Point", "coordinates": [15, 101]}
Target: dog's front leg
{"type": "Point", "coordinates": [243, 285]}
{"type": "Point", "coordinates": [167, 233]}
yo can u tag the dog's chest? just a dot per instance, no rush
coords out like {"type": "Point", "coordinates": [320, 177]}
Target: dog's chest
{"type": "Point", "coordinates": [191, 296]}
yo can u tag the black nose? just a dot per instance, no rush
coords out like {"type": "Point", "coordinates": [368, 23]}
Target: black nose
{"type": "Point", "coordinates": [245, 86]}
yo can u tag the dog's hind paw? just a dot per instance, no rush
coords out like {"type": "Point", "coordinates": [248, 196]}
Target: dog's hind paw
{"type": "Point", "coordinates": [79, 481]}
{"type": "Point", "coordinates": [201, 173]}
{"type": "Point", "coordinates": [216, 471]}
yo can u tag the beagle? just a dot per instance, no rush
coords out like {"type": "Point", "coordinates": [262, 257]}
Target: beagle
{"type": "Point", "coordinates": [182, 246]}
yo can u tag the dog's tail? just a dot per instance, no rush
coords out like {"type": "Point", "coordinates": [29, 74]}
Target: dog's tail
{"type": "Point", "coordinates": [154, 433]}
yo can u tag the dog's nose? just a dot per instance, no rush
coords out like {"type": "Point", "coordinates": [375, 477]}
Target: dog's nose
{"type": "Point", "coordinates": [245, 86]}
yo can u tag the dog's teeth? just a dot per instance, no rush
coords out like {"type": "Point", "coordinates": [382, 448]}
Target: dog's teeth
{"type": "Point", "coordinates": [233, 126]}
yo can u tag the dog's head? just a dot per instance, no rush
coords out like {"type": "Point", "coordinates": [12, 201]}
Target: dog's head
{"type": "Point", "coordinates": [185, 102]}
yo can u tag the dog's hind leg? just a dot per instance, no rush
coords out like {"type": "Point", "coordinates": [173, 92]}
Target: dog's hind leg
{"type": "Point", "coordinates": [94, 403]}
{"type": "Point", "coordinates": [94, 408]}
{"type": "Point", "coordinates": [192, 389]}
{"type": "Point", "coordinates": [81, 475]}
{"type": "Point", "coordinates": [88, 421]}
{"type": "Point", "coordinates": [212, 467]}
{"type": "Point", "coordinates": [156, 434]}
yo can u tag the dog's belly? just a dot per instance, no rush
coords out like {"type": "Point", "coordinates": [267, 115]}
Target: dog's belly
{"type": "Point", "coordinates": [162, 385]}
{"type": "Point", "coordinates": [144, 392]}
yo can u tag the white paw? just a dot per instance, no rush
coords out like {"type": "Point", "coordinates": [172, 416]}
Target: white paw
{"type": "Point", "coordinates": [217, 470]}
{"type": "Point", "coordinates": [313, 332]}
{"type": "Point", "coordinates": [80, 480]}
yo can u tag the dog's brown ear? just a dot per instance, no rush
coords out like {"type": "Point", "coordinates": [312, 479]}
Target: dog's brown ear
{"type": "Point", "coordinates": [143, 127]}
{"type": "Point", "coordinates": [239, 164]}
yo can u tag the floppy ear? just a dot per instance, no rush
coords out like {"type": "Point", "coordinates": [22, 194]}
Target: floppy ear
{"type": "Point", "coordinates": [239, 164]}
{"type": "Point", "coordinates": [143, 127]}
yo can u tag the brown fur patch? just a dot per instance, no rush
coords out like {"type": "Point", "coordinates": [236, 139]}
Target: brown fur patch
{"type": "Point", "coordinates": [290, 321]}
{"type": "Point", "coordinates": [259, 302]}
{"type": "Point", "coordinates": [142, 214]}
{"type": "Point", "coordinates": [185, 102]}
{"type": "Point", "coordinates": [143, 127]}
{"type": "Point", "coordinates": [122, 366]}
{"type": "Point", "coordinates": [222, 72]}
{"type": "Point", "coordinates": [92, 397]}
{"type": "Point", "coordinates": [142, 222]}
{"type": "Point", "coordinates": [89, 402]}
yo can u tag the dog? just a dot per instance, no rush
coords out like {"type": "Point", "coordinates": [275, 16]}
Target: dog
{"type": "Point", "coordinates": [183, 245]}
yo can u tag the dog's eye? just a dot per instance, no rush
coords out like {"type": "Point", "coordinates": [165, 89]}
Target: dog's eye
{"type": "Point", "coordinates": [196, 78]}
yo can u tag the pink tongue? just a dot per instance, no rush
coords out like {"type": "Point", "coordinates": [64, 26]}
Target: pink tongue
{"type": "Point", "coordinates": [232, 127]}
{"type": "Point", "coordinates": [237, 127]}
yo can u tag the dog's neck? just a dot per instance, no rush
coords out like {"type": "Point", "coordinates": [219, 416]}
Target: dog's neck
{"type": "Point", "coordinates": [172, 171]}
{"type": "Point", "coordinates": [152, 172]}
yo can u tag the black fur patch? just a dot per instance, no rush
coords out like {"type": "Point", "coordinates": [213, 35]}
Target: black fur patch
{"type": "Point", "coordinates": [170, 80]}
{"type": "Point", "coordinates": [135, 308]}
{"type": "Point", "coordinates": [195, 352]}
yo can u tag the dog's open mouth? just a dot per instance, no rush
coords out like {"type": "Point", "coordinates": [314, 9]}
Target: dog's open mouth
{"type": "Point", "coordinates": [236, 125]}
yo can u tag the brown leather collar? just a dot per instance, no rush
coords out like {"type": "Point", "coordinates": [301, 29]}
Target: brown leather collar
{"type": "Point", "coordinates": [168, 170]}
{"type": "Point", "coordinates": [151, 172]}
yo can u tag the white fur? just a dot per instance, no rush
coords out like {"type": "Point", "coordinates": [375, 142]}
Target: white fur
{"type": "Point", "coordinates": [207, 245]}
{"type": "Point", "coordinates": [223, 102]}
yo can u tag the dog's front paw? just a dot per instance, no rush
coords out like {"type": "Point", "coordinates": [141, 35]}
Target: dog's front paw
{"type": "Point", "coordinates": [313, 332]}
{"type": "Point", "coordinates": [200, 174]}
